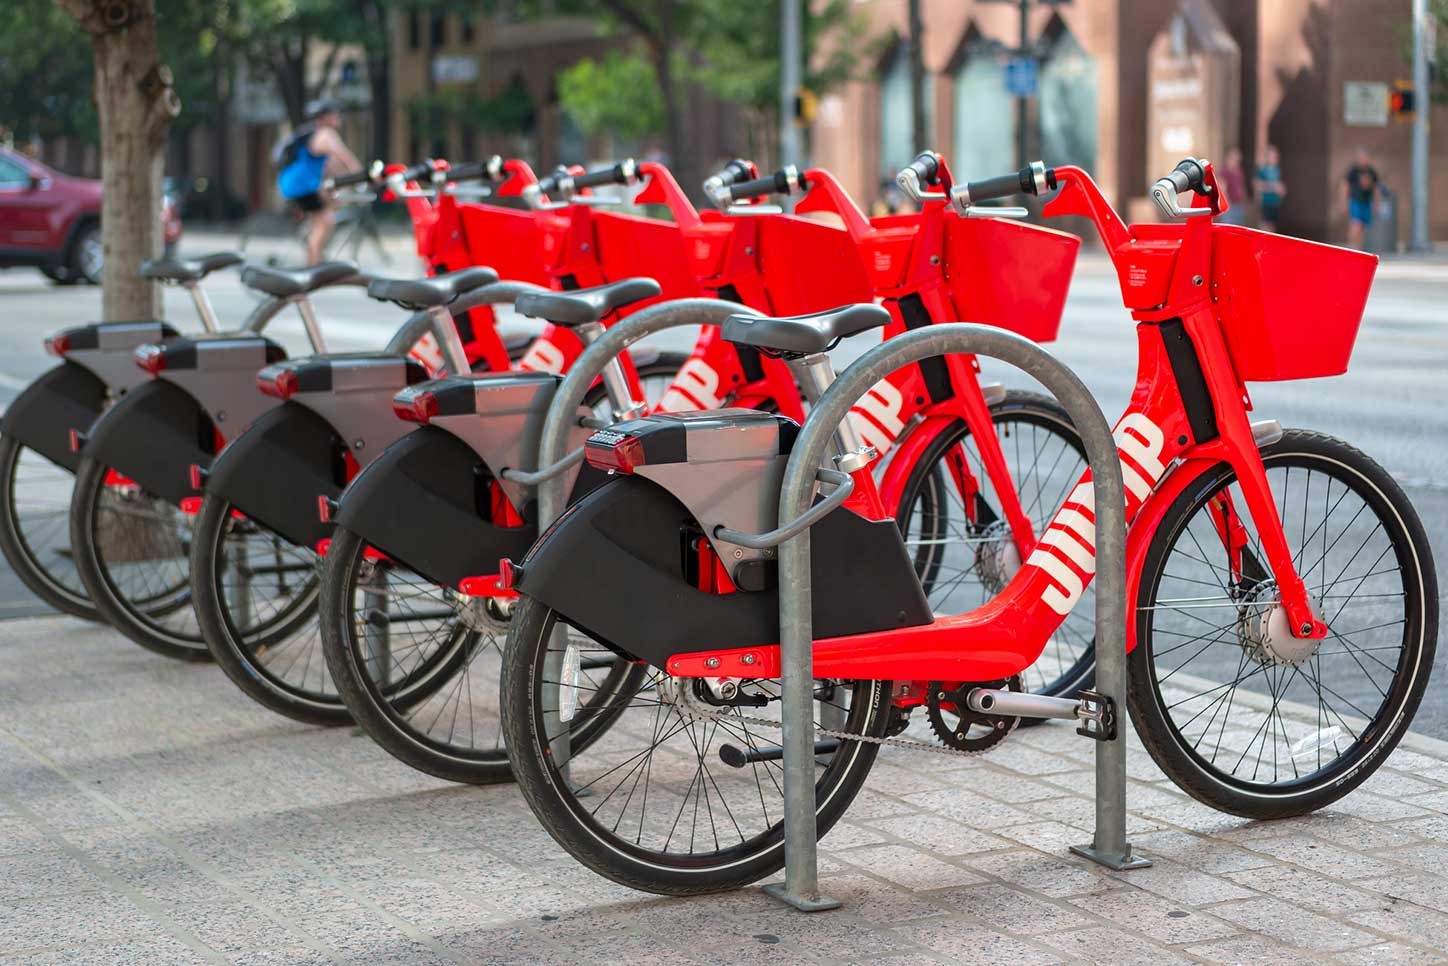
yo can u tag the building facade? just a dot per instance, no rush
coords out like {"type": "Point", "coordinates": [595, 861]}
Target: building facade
{"type": "Point", "coordinates": [1121, 83]}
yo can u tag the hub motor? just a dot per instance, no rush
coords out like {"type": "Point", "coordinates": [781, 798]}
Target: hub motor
{"type": "Point", "coordinates": [1264, 631]}
{"type": "Point", "coordinates": [996, 558]}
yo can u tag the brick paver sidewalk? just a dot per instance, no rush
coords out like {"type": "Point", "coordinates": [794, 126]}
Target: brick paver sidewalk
{"type": "Point", "coordinates": [151, 813]}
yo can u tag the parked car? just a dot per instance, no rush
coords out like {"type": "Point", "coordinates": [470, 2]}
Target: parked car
{"type": "Point", "coordinates": [53, 221]}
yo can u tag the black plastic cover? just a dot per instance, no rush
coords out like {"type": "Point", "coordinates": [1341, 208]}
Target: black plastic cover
{"type": "Point", "coordinates": [154, 435]}
{"type": "Point", "coordinates": [614, 567]}
{"type": "Point", "coordinates": [275, 471]}
{"type": "Point", "coordinates": [68, 397]}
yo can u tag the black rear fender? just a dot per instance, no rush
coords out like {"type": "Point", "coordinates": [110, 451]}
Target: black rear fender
{"type": "Point", "coordinates": [153, 435]}
{"type": "Point", "coordinates": [615, 566]}
{"type": "Point", "coordinates": [68, 397]}
{"type": "Point", "coordinates": [426, 502]}
{"type": "Point", "coordinates": [275, 471]}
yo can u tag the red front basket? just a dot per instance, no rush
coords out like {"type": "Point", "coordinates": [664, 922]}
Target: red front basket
{"type": "Point", "coordinates": [1289, 308]}
{"type": "Point", "coordinates": [1009, 274]}
{"type": "Point", "coordinates": [507, 240]}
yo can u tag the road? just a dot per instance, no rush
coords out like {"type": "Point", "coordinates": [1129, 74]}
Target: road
{"type": "Point", "coordinates": [1390, 404]}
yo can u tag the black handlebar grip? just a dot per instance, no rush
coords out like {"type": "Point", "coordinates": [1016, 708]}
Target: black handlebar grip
{"type": "Point", "coordinates": [347, 180]}
{"type": "Point", "coordinates": [421, 169]}
{"type": "Point", "coordinates": [926, 167]}
{"type": "Point", "coordinates": [621, 173]}
{"type": "Point", "coordinates": [1002, 186]}
{"type": "Point", "coordinates": [1188, 175]}
{"type": "Point", "coordinates": [769, 184]}
{"type": "Point", "coordinates": [472, 171]}
{"type": "Point", "coordinates": [732, 172]}
{"type": "Point", "coordinates": [549, 182]}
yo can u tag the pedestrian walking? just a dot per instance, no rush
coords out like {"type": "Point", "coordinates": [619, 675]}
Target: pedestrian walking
{"type": "Point", "coordinates": [1270, 188]}
{"type": "Point", "coordinates": [1360, 190]}
{"type": "Point", "coordinates": [1234, 180]}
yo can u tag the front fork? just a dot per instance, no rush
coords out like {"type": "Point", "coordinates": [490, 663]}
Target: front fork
{"type": "Point", "coordinates": [1237, 446]}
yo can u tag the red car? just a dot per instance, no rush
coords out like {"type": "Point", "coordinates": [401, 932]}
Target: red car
{"type": "Point", "coordinates": [53, 221]}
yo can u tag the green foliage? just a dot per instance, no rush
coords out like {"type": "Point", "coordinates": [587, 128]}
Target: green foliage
{"type": "Point", "coordinates": [1438, 72]}
{"type": "Point", "coordinates": [45, 73]}
{"type": "Point", "coordinates": [740, 48]}
{"type": "Point", "coordinates": [617, 93]}
{"type": "Point", "coordinates": [510, 112]}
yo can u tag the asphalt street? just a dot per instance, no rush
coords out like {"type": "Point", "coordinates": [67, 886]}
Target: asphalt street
{"type": "Point", "coordinates": [1390, 404]}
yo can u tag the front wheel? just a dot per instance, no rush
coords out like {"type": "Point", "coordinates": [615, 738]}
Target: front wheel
{"type": "Point", "coordinates": [1239, 713]}
{"type": "Point", "coordinates": [34, 534]}
{"type": "Point", "coordinates": [960, 543]}
{"type": "Point", "coordinates": [682, 794]}
{"type": "Point", "coordinates": [132, 552]}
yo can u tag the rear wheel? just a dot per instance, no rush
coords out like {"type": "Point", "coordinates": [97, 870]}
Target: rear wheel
{"type": "Point", "coordinates": [964, 553]}
{"type": "Point", "coordinates": [256, 599]}
{"type": "Point", "coordinates": [680, 795]}
{"type": "Point", "coordinates": [1242, 715]}
{"type": "Point", "coordinates": [132, 552]}
{"type": "Point", "coordinates": [381, 620]}
{"type": "Point", "coordinates": [35, 499]}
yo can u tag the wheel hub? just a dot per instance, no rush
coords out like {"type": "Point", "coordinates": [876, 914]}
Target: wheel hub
{"type": "Point", "coordinates": [1265, 633]}
{"type": "Point", "coordinates": [996, 558]}
{"type": "Point", "coordinates": [486, 615]}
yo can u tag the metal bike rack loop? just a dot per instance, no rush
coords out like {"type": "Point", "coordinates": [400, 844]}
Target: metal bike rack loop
{"type": "Point", "coordinates": [1109, 846]}
{"type": "Point", "coordinates": [563, 411]}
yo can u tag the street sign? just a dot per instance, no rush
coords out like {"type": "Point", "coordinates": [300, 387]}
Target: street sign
{"type": "Point", "coordinates": [1364, 104]}
{"type": "Point", "coordinates": [1021, 76]}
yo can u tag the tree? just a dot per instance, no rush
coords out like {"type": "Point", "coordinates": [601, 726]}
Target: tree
{"type": "Point", "coordinates": [135, 104]}
{"type": "Point", "coordinates": [614, 94]}
{"type": "Point", "coordinates": [45, 73]}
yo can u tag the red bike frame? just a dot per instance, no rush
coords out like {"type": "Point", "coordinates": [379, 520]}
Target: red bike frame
{"type": "Point", "coordinates": [1198, 277]}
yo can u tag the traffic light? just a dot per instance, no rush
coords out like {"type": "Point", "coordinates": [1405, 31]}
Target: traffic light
{"type": "Point", "coordinates": [806, 106]}
{"type": "Point", "coordinates": [1401, 100]}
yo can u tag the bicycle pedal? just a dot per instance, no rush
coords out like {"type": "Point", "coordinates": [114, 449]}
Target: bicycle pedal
{"type": "Point", "coordinates": [1097, 715]}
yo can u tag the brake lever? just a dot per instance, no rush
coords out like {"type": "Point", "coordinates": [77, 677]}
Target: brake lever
{"type": "Point", "coordinates": [470, 191]}
{"type": "Point", "coordinates": [754, 210]}
{"type": "Point", "coordinates": [1164, 195]}
{"type": "Point", "coordinates": [909, 182]}
{"type": "Point", "coordinates": [973, 211]}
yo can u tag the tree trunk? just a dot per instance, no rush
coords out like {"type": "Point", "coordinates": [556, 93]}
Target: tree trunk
{"type": "Point", "coordinates": [681, 152]}
{"type": "Point", "coordinates": [220, 133]}
{"type": "Point", "coordinates": [916, 49]}
{"type": "Point", "coordinates": [379, 78]}
{"type": "Point", "coordinates": [135, 103]}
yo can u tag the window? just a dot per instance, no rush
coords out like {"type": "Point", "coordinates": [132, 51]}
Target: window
{"type": "Point", "coordinates": [1068, 104]}
{"type": "Point", "coordinates": [414, 30]}
{"type": "Point", "coordinates": [984, 114]}
{"type": "Point", "coordinates": [437, 30]}
{"type": "Point", "coordinates": [897, 142]}
{"type": "Point", "coordinates": [13, 175]}
{"type": "Point", "coordinates": [467, 28]}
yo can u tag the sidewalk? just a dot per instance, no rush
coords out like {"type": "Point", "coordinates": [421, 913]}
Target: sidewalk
{"type": "Point", "coordinates": [149, 812]}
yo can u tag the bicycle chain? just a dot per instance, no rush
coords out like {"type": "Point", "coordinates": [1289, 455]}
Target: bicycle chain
{"type": "Point", "coordinates": [687, 701]}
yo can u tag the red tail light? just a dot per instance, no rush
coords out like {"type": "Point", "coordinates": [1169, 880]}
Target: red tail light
{"type": "Point", "coordinates": [415, 407]}
{"type": "Point", "coordinates": [197, 477]}
{"type": "Point", "coordinates": [282, 384]}
{"type": "Point", "coordinates": [505, 574]}
{"type": "Point", "coordinates": [58, 345]}
{"type": "Point", "coordinates": [152, 358]}
{"type": "Point", "coordinates": [615, 452]}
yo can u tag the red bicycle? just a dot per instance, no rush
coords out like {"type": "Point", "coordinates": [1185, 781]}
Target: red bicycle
{"type": "Point", "coordinates": [1283, 588]}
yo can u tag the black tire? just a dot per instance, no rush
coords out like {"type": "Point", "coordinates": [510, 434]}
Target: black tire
{"type": "Point", "coordinates": [34, 532]}
{"type": "Point", "coordinates": [132, 552]}
{"type": "Point", "coordinates": [1069, 663]}
{"type": "Point", "coordinates": [261, 641]}
{"type": "Point", "coordinates": [618, 852]}
{"type": "Point", "coordinates": [1246, 652]}
{"type": "Point", "coordinates": [59, 274]}
{"type": "Point", "coordinates": [461, 638]}
{"type": "Point", "coordinates": [86, 256]}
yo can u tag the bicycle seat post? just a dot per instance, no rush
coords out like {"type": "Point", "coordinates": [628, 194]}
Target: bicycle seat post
{"type": "Point", "coordinates": [448, 339]}
{"type": "Point", "coordinates": [303, 303]}
{"type": "Point", "coordinates": [615, 379]}
{"type": "Point", "coordinates": [815, 372]}
{"type": "Point", "coordinates": [203, 304]}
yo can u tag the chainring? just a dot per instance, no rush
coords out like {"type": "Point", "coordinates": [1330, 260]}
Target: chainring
{"type": "Point", "coordinates": [966, 733]}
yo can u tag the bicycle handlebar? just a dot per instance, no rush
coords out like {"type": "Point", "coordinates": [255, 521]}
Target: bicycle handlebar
{"type": "Point", "coordinates": [926, 167]}
{"type": "Point", "coordinates": [549, 182]}
{"type": "Point", "coordinates": [421, 169]}
{"type": "Point", "coordinates": [785, 181]}
{"type": "Point", "coordinates": [491, 169]}
{"type": "Point", "coordinates": [348, 180]}
{"type": "Point", "coordinates": [625, 172]}
{"type": "Point", "coordinates": [1189, 175]}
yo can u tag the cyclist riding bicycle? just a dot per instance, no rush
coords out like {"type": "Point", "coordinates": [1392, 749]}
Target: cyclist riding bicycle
{"type": "Point", "coordinates": [314, 153]}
